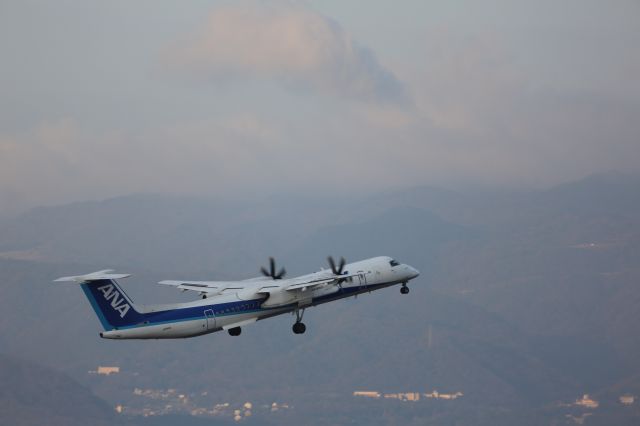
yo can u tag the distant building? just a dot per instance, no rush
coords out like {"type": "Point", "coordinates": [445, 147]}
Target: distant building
{"type": "Point", "coordinates": [409, 396]}
{"type": "Point", "coordinates": [367, 394]}
{"type": "Point", "coordinates": [437, 395]}
{"type": "Point", "coordinates": [587, 402]}
{"type": "Point", "coordinates": [218, 408]}
{"type": "Point", "coordinates": [105, 371]}
{"type": "Point", "coordinates": [627, 399]}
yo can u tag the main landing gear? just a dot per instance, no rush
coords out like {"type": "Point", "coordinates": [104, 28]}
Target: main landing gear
{"type": "Point", "coordinates": [235, 331]}
{"type": "Point", "coordinates": [404, 289]}
{"type": "Point", "coordinates": [299, 327]}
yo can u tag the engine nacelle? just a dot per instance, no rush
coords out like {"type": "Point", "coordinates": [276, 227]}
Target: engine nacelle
{"type": "Point", "coordinates": [250, 294]}
{"type": "Point", "coordinates": [279, 297]}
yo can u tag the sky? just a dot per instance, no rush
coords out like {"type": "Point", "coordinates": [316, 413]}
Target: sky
{"type": "Point", "coordinates": [246, 98]}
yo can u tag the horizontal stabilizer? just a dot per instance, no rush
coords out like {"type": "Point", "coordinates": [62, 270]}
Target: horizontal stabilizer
{"type": "Point", "coordinates": [94, 276]}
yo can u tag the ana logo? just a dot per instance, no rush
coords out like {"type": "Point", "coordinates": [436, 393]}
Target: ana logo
{"type": "Point", "coordinates": [117, 300]}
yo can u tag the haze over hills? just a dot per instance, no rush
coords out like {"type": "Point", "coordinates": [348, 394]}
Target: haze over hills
{"type": "Point", "coordinates": [195, 141]}
{"type": "Point", "coordinates": [525, 300]}
{"type": "Point", "coordinates": [31, 393]}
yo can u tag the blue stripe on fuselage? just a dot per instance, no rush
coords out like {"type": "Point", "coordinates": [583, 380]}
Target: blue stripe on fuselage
{"type": "Point", "coordinates": [197, 312]}
{"type": "Point", "coordinates": [236, 308]}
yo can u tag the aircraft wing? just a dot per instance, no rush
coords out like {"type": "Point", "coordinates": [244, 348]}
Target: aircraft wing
{"type": "Point", "coordinates": [205, 286]}
{"type": "Point", "coordinates": [262, 286]}
{"type": "Point", "coordinates": [315, 280]}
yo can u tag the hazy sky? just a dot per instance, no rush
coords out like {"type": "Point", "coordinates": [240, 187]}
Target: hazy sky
{"type": "Point", "coordinates": [240, 97]}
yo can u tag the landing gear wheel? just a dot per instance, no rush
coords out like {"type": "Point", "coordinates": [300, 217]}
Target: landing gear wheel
{"type": "Point", "coordinates": [235, 331]}
{"type": "Point", "coordinates": [404, 289]}
{"type": "Point", "coordinates": [299, 328]}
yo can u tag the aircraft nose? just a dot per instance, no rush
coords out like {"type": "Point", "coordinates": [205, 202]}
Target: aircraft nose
{"type": "Point", "coordinates": [413, 272]}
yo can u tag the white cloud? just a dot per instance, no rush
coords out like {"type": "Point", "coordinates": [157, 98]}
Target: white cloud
{"type": "Point", "coordinates": [286, 42]}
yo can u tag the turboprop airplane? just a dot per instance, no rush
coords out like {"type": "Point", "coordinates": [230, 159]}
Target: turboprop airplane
{"type": "Point", "coordinates": [231, 305]}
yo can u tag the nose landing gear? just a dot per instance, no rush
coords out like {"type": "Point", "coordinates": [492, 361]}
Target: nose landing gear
{"type": "Point", "coordinates": [299, 327]}
{"type": "Point", "coordinates": [404, 289]}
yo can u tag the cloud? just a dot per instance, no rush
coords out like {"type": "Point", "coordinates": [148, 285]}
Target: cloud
{"type": "Point", "coordinates": [465, 83]}
{"type": "Point", "coordinates": [288, 43]}
{"type": "Point", "coordinates": [484, 118]}
{"type": "Point", "coordinates": [478, 115]}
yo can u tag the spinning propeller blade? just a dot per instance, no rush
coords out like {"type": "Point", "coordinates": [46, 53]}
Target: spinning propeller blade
{"type": "Point", "coordinates": [337, 270]}
{"type": "Point", "coordinates": [272, 270]}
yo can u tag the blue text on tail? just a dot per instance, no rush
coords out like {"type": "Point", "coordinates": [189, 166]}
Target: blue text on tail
{"type": "Point", "coordinates": [109, 301]}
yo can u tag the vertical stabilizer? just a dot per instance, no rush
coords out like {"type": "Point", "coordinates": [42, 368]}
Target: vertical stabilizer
{"type": "Point", "coordinates": [109, 301]}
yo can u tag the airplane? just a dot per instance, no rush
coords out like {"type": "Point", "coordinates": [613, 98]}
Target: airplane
{"type": "Point", "coordinates": [231, 305]}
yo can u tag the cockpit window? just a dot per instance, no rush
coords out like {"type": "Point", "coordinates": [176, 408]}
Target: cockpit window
{"type": "Point", "coordinates": [393, 263]}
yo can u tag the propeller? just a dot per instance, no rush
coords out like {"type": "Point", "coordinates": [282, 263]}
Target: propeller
{"type": "Point", "coordinates": [272, 270]}
{"type": "Point", "coordinates": [337, 269]}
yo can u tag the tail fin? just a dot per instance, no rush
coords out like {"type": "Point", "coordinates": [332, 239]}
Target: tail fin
{"type": "Point", "coordinates": [111, 304]}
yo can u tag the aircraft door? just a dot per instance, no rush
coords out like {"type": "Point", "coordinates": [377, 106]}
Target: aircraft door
{"type": "Point", "coordinates": [210, 318]}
